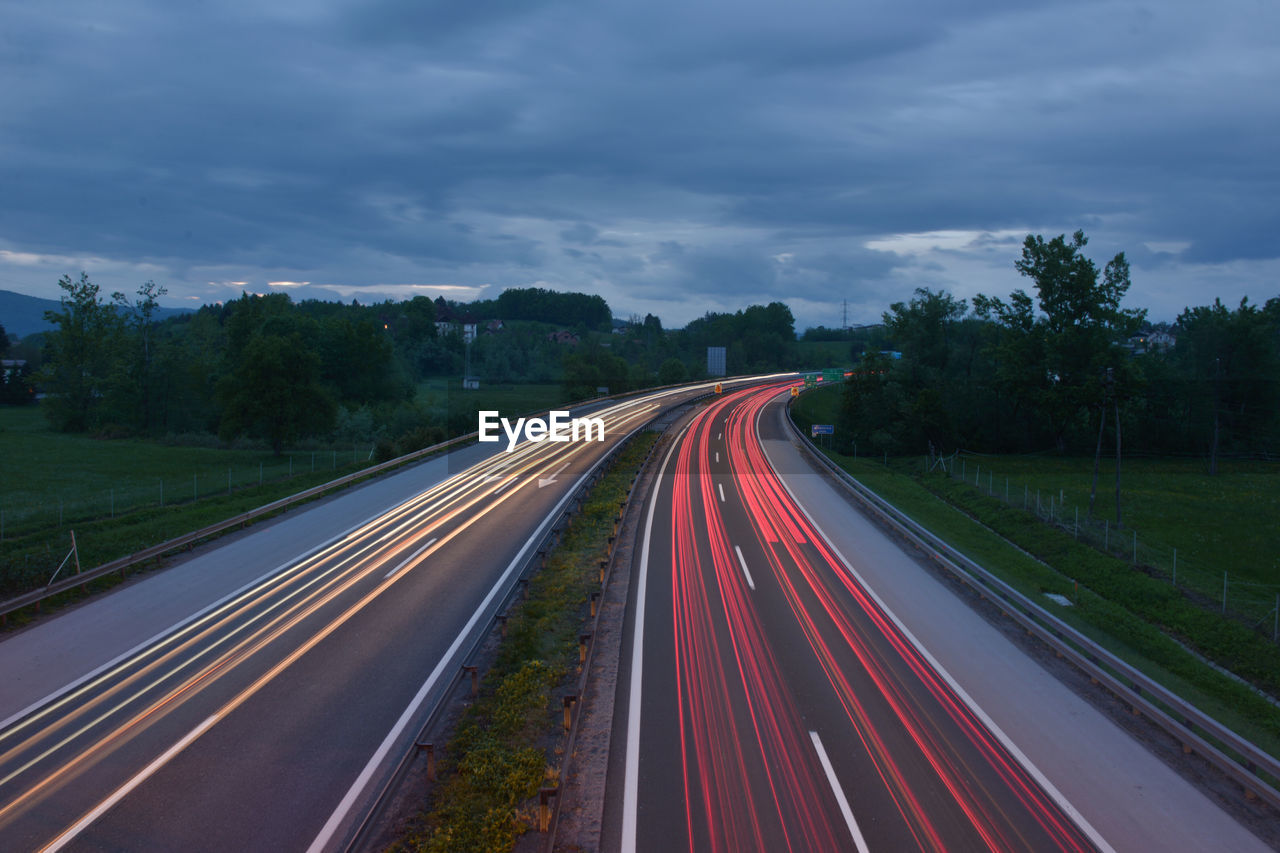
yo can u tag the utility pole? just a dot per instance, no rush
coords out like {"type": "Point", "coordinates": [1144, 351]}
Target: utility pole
{"type": "Point", "coordinates": [1115, 399]}
{"type": "Point", "coordinates": [1097, 453]}
{"type": "Point", "coordinates": [1217, 408]}
{"type": "Point", "coordinates": [844, 317]}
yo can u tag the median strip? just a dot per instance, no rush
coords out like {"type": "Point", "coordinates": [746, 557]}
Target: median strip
{"type": "Point", "coordinates": [495, 764]}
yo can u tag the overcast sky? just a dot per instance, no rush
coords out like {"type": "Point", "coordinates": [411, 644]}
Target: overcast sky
{"type": "Point", "coordinates": [673, 156]}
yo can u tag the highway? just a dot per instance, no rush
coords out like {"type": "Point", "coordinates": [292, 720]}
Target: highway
{"type": "Point", "coordinates": [265, 719]}
{"type": "Point", "coordinates": [779, 707]}
{"type": "Point", "coordinates": [795, 680]}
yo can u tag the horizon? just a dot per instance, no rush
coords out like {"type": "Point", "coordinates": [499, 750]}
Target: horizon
{"type": "Point", "coordinates": [683, 160]}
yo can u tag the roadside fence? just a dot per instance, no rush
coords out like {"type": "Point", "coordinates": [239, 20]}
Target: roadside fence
{"type": "Point", "coordinates": [1252, 603]}
{"type": "Point", "coordinates": [59, 513]}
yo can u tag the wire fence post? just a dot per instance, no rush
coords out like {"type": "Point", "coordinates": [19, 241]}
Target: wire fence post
{"type": "Point", "coordinates": [1175, 566]}
{"type": "Point", "coordinates": [1106, 534]}
{"type": "Point", "coordinates": [1006, 489]}
{"type": "Point", "coordinates": [1135, 547]}
{"type": "Point", "coordinates": [259, 473]}
{"type": "Point", "coordinates": [195, 487]}
{"type": "Point", "coordinates": [1025, 492]}
{"type": "Point", "coordinates": [1275, 628]}
{"type": "Point", "coordinates": [162, 491]}
{"type": "Point", "coordinates": [1224, 593]}
{"type": "Point", "coordinates": [1077, 534]}
{"type": "Point", "coordinates": [113, 502]}
{"type": "Point", "coordinates": [290, 464]}
{"type": "Point", "coordinates": [977, 476]}
{"type": "Point", "coordinates": [962, 470]}
{"type": "Point", "coordinates": [228, 481]}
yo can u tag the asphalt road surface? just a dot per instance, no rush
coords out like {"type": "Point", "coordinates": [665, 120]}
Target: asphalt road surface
{"type": "Point", "coordinates": [265, 717]}
{"type": "Point", "coordinates": [774, 703]}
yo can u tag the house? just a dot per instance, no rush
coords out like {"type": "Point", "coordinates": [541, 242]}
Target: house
{"type": "Point", "coordinates": [449, 320]}
{"type": "Point", "coordinates": [1151, 340]}
{"type": "Point", "coordinates": [493, 327]}
{"type": "Point", "coordinates": [564, 336]}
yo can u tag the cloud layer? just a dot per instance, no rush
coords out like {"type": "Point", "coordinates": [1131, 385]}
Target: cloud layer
{"type": "Point", "coordinates": [673, 157]}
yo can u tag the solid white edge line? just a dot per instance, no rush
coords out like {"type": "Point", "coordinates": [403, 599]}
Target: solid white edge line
{"type": "Point", "coordinates": [721, 486]}
{"type": "Point", "coordinates": [340, 814]}
{"type": "Point", "coordinates": [204, 611]}
{"type": "Point", "coordinates": [631, 777]}
{"type": "Point", "coordinates": [1063, 803]}
{"type": "Point", "coordinates": [335, 821]}
{"type": "Point", "coordinates": [742, 562]}
{"type": "Point", "coordinates": [409, 559]}
{"type": "Point", "coordinates": [858, 840]}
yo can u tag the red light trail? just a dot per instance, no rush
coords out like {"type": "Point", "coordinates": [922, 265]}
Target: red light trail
{"type": "Point", "coordinates": [930, 774]}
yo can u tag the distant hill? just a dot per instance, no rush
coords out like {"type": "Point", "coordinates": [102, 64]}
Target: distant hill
{"type": "Point", "coordinates": [23, 315]}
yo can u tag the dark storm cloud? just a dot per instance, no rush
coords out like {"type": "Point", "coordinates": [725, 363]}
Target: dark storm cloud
{"type": "Point", "coordinates": [672, 156]}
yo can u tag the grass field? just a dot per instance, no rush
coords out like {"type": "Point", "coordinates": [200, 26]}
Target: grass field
{"type": "Point", "coordinates": [1137, 614]}
{"type": "Point", "coordinates": [510, 400]}
{"type": "Point", "coordinates": [54, 479]}
{"type": "Point", "coordinates": [1217, 523]}
{"type": "Point", "coordinates": [1225, 522]}
{"type": "Point", "coordinates": [122, 495]}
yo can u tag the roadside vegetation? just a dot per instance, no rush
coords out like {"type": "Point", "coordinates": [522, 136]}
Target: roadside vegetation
{"type": "Point", "coordinates": [1139, 616]}
{"type": "Point", "coordinates": [501, 752]}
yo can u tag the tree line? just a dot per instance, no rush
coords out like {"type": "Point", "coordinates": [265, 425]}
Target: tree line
{"type": "Point", "coordinates": [271, 370]}
{"type": "Point", "coordinates": [1063, 367]}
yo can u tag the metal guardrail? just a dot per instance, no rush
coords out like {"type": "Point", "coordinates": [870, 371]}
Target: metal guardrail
{"type": "Point", "coordinates": [360, 837]}
{"type": "Point", "coordinates": [122, 564]}
{"type": "Point", "coordinates": [1197, 731]}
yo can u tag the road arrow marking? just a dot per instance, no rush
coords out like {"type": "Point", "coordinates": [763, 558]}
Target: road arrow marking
{"type": "Point", "coordinates": [546, 481]}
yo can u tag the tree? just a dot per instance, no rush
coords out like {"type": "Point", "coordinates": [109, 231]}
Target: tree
{"type": "Point", "coordinates": [136, 381]}
{"type": "Point", "coordinates": [672, 372]}
{"type": "Point", "coordinates": [1077, 334]}
{"type": "Point", "coordinates": [922, 328]}
{"type": "Point", "coordinates": [358, 361]}
{"type": "Point", "coordinates": [275, 392]}
{"type": "Point", "coordinates": [590, 368]}
{"type": "Point", "coordinates": [1232, 360]}
{"type": "Point", "coordinates": [81, 355]}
